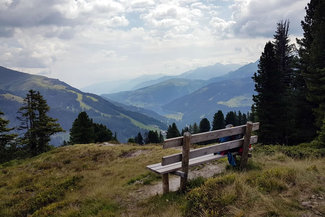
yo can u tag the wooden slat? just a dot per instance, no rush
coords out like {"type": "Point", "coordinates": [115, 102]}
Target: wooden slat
{"type": "Point", "coordinates": [206, 150]}
{"type": "Point", "coordinates": [201, 137]}
{"type": "Point", "coordinates": [185, 159]}
{"type": "Point", "coordinates": [193, 162]}
{"type": "Point", "coordinates": [256, 126]}
{"type": "Point", "coordinates": [173, 142]}
{"type": "Point", "coordinates": [247, 137]}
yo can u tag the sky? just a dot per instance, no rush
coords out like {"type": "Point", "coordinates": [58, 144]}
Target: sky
{"type": "Point", "coordinates": [83, 42]}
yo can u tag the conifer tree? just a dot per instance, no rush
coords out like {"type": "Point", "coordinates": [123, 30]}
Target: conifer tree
{"type": "Point", "coordinates": [152, 137]}
{"type": "Point", "coordinates": [195, 128]}
{"type": "Point", "coordinates": [312, 53]}
{"type": "Point", "coordinates": [266, 102]}
{"type": "Point", "coordinates": [218, 121]}
{"type": "Point", "coordinates": [204, 125]}
{"type": "Point", "coordinates": [231, 118]}
{"type": "Point", "coordinates": [82, 131]}
{"type": "Point", "coordinates": [244, 119]}
{"type": "Point", "coordinates": [284, 65]}
{"type": "Point", "coordinates": [161, 137]}
{"type": "Point", "coordinates": [139, 139]}
{"type": "Point", "coordinates": [6, 140]}
{"type": "Point", "coordinates": [102, 133]}
{"type": "Point", "coordinates": [38, 125]}
{"type": "Point", "coordinates": [172, 131]}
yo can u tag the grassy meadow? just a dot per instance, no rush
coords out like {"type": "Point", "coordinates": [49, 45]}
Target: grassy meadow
{"type": "Point", "coordinates": [103, 180]}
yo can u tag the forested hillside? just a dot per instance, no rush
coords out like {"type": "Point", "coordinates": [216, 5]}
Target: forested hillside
{"type": "Point", "coordinates": [67, 102]}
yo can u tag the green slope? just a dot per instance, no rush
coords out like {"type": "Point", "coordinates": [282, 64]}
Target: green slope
{"type": "Point", "coordinates": [66, 102]}
{"type": "Point", "coordinates": [227, 95]}
{"type": "Point", "coordinates": [154, 96]}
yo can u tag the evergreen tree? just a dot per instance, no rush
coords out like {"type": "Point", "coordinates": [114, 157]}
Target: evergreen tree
{"type": "Point", "coordinates": [231, 118]}
{"type": "Point", "coordinates": [38, 125]}
{"type": "Point", "coordinates": [284, 65]}
{"type": "Point", "coordinates": [244, 119]}
{"type": "Point", "coordinates": [303, 119]}
{"type": "Point", "coordinates": [218, 121]}
{"type": "Point", "coordinates": [195, 128]}
{"type": "Point", "coordinates": [312, 53]}
{"type": "Point", "coordinates": [138, 139]}
{"type": "Point", "coordinates": [102, 133]}
{"type": "Point", "coordinates": [131, 140]}
{"type": "Point", "coordinates": [7, 147]}
{"type": "Point", "coordinates": [152, 137]}
{"type": "Point", "coordinates": [82, 131]}
{"type": "Point", "coordinates": [240, 118]}
{"type": "Point", "coordinates": [172, 131]}
{"type": "Point", "coordinates": [161, 137]}
{"type": "Point", "coordinates": [266, 102]}
{"type": "Point", "coordinates": [204, 125]}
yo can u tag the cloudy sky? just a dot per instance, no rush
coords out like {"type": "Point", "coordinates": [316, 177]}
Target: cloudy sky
{"type": "Point", "coordinates": [86, 41]}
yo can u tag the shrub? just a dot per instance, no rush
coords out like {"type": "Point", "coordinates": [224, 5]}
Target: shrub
{"type": "Point", "coordinates": [213, 197]}
{"type": "Point", "coordinates": [273, 180]}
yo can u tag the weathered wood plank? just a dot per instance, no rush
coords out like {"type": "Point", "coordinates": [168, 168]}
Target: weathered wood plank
{"type": "Point", "coordinates": [192, 162]}
{"type": "Point", "coordinates": [256, 126]}
{"type": "Point", "coordinates": [201, 137]}
{"type": "Point", "coordinates": [248, 132]}
{"type": "Point", "coordinates": [206, 150]}
{"type": "Point", "coordinates": [185, 160]}
{"type": "Point", "coordinates": [165, 183]}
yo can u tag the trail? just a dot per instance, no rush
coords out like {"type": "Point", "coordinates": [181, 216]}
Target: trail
{"type": "Point", "coordinates": [207, 170]}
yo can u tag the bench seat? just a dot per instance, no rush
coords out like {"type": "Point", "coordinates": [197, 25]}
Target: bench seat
{"type": "Point", "coordinates": [158, 168]}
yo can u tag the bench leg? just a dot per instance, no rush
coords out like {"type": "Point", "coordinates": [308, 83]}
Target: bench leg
{"type": "Point", "coordinates": [165, 182]}
{"type": "Point", "coordinates": [183, 182]}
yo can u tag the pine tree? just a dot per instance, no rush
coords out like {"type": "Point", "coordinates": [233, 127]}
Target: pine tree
{"type": "Point", "coordinates": [82, 131]}
{"type": "Point", "coordinates": [312, 53]}
{"type": "Point", "coordinates": [7, 147]}
{"type": "Point", "coordinates": [38, 125]}
{"type": "Point", "coordinates": [102, 133]}
{"type": "Point", "coordinates": [266, 102]}
{"type": "Point", "coordinates": [303, 119]}
{"type": "Point", "coordinates": [231, 118]}
{"type": "Point", "coordinates": [161, 137]}
{"type": "Point", "coordinates": [152, 137]}
{"type": "Point", "coordinates": [244, 119]}
{"type": "Point", "coordinates": [218, 121]}
{"type": "Point", "coordinates": [138, 139]}
{"type": "Point", "coordinates": [204, 125]}
{"type": "Point", "coordinates": [284, 65]}
{"type": "Point", "coordinates": [195, 128]}
{"type": "Point", "coordinates": [172, 131]}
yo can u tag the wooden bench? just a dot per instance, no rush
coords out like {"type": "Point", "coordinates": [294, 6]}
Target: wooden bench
{"type": "Point", "coordinates": [178, 164]}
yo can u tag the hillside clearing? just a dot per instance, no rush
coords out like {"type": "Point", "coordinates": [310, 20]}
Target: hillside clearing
{"type": "Point", "coordinates": [112, 180]}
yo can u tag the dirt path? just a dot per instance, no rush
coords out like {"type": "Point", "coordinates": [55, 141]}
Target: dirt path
{"type": "Point", "coordinates": [207, 170]}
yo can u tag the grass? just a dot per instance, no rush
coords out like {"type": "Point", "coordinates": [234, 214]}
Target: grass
{"type": "Point", "coordinates": [79, 180]}
{"type": "Point", "coordinates": [98, 180]}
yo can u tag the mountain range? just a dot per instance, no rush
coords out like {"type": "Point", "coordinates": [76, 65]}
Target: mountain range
{"type": "Point", "coordinates": [187, 100]}
{"type": "Point", "coordinates": [67, 102]}
{"type": "Point", "coordinates": [201, 73]}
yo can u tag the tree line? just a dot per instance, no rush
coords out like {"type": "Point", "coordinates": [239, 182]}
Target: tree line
{"type": "Point", "coordinates": [290, 83]}
{"type": "Point", "coordinates": [37, 128]}
{"type": "Point", "coordinates": [219, 122]}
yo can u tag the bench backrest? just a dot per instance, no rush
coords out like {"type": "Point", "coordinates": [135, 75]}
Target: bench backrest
{"type": "Point", "coordinates": [207, 136]}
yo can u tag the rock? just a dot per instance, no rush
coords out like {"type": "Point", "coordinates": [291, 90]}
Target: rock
{"type": "Point", "coordinates": [306, 203]}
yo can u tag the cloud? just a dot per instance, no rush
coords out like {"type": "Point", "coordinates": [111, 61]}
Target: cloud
{"type": "Point", "coordinates": [126, 38]}
{"type": "Point", "coordinates": [258, 18]}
